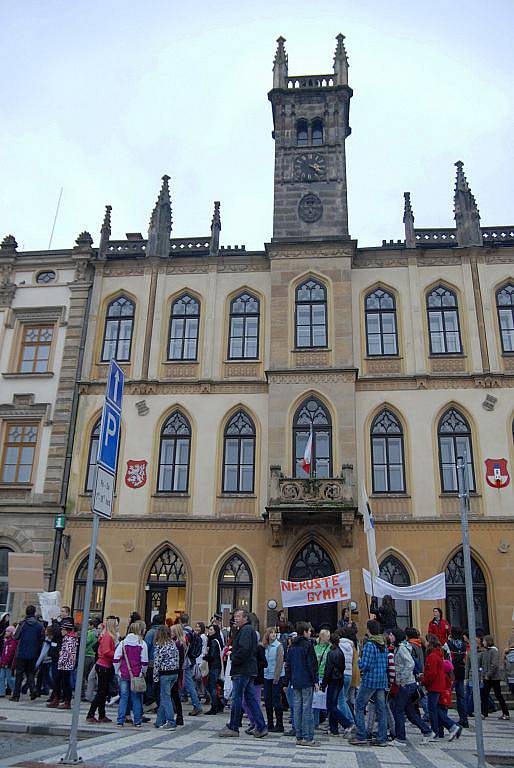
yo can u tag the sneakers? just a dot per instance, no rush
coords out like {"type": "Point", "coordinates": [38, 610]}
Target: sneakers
{"type": "Point", "coordinates": [428, 737]}
{"type": "Point", "coordinates": [348, 731]}
{"type": "Point", "coordinates": [311, 743]}
{"type": "Point", "coordinates": [290, 733]}
{"type": "Point", "coordinates": [376, 743]}
{"type": "Point", "coordinates": [250, 730]}
{"type": "Point", "coordinates": [227, 733]}
{"type": "Point", "coordinates": [504, 717]}
{"type": "Point", "coordinates": [399, 743]}
{"type": "Point", "coordinates": [65, 705]}
{"type": "Point", "coordinates": [359, 742]}
{"type": "Point", "coordinates": [259, 734]}
{"type": "Point", "coordinates": [167, 726]}
{"type": "Point", "coordinates": [104, 720]}
{"type": "Point", "coordinates": [196, 711]}
{"type": "Point", "coordinates": [92, 720]}
{"type": "Point", "coordinates": [455, 732]}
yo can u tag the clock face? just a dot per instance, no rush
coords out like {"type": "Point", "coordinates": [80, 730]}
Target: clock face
{"type": "Point", "coordinates": [309, 167]}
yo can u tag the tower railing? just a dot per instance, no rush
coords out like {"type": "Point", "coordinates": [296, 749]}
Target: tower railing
{"type": "Point", "coordinates": [311, 81]}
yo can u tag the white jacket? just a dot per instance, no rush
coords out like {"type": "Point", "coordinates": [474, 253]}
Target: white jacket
{"type": "Point", "coordinates": [347, 648]}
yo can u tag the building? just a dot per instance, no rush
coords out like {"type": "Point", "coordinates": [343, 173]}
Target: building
{"type": "Point", "coordinates": [395, 359]}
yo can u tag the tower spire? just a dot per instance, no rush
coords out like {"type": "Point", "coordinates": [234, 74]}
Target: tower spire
{"type": "Point", "coordinates": [340, 62]}
{"type": "Point", "coordinates": [280, 65]}
{"type": "Point", "coordinates": [467, 216]}
{"type": "Point", "coordinates": [215, 230]}
{"type": "Point", "coordinates": [408, 220]}
{"type": "Point", "coordinates": [105, 232]}
{"type": "Point", "coordinates": [159, 230]}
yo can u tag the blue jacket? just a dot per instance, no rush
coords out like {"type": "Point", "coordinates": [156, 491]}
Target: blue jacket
{"type": "Point", "coordinates": [373, 664]}
{"type": "Point", "coordinates": [30, 634]}
{"type": "Point", "coordinates": [302, 664]}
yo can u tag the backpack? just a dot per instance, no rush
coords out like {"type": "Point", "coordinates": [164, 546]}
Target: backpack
{"type": "Point", "coordinates": [194, 646]}
{"type": "Point", "coordinates": [418, 668]}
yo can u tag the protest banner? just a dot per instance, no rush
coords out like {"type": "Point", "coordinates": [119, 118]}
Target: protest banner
{"type": "Point", "coordinates": [326, 589]}
{"type": "Point", "coordinates": [431, 589]}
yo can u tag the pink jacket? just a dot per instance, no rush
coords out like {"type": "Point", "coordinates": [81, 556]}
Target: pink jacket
{"type": "Point", "coordinates": [8, 652]}
{"type": "Point", "coordinates": [137, 654]}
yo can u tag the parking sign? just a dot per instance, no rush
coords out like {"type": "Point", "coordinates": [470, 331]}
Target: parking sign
{"type": "Point", "coordinates": [107, 457]}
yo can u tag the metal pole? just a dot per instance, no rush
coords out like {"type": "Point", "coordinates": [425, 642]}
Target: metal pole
{"type": "Point", "coordinates": [52, 583]}
{"type": "Point", "coordinates": [464, 507]}
{"type": "Point", "coordinates": [71, 757]}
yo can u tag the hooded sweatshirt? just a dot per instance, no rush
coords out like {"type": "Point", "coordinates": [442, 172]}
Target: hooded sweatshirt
{"type": "Point", "coordinates": [301, 663]}
{"type": "Point", "coordinates": [404, 664]}
{"type": "Point", "coordinates": [347, 648]}
{"type": "Point", "coordinates": [373, 663]}
{"type": "Point", "coordinates": [137, 654]}
{"type": "Point", "coordinates": [30, 635]}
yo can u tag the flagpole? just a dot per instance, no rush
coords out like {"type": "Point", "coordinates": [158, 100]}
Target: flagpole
{"type": "Point", "coordinates": [312, 453]}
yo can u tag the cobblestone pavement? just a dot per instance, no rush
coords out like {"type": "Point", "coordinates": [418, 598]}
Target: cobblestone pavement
{"type": "Point", "coordinates": [196, 746]}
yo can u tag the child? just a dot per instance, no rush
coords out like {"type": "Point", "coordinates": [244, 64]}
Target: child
{"type": "Point", "coordinates": [65, 665]}
{"type": "Point", "coordinates": [44, 665]}
{"type": "Point", "coordinates": [6, 661]}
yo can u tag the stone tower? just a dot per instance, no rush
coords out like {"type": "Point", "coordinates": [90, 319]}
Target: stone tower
{"type": "Point", "coordinates": [311, 123]}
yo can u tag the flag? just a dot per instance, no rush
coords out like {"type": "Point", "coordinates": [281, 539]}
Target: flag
{"type": "Point", "coordinates": [369, 530]}
{"type": "Point", "coordinates": [305, 463]}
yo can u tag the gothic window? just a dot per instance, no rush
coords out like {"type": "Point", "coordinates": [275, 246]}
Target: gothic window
{"type": "Point", "coordinates": [4, 585]}
{"type": "Point", "coordinates": [302, 133]}
{"type": "Point", "coordinates": [505, 309]}
{"type": "Point", "coordinates": [312, 418]}
{"type": "Point", "coordinates": [99, 587]}
{"type": "Point", "coordinates": [394, 572]}
{"type": "Point", "coordinates": [91, 457]}
{"type": "Point", "coordinates": [381, 331]}
{"type": "Point", "coordinates": [174, 454]}
{"type": "Point", "coordinates": [317, 132]}
{"type": "Point", "coordinates": [244, 327]}
{"type": "Point", "coordinates": [456, 608]}
{"type": "Point", "coordinates": [311, 314]}
{"type": "Point", "coordinates": [239, 454]}
{"type": "Point", "coordinates": [387, 460]}
{"type": "Point", "coordinates": [35, 348]}
{"type": "Point", "coordinates": [184, 324]}
{"type": "Point", "coordinates": [454, 438]}
{"type": "Point", "coordinates": [167, 568]}
{"type": "Point", "coordinates": [119, 326]}
{"type": "Point", "coordinates": [235, 585]}
{"type": "Point", "coordinates": [312, 562]}
{"type": "Point", "coordinates": [443, 321]}
{"type": "Point", "coordinates": [18, 452]}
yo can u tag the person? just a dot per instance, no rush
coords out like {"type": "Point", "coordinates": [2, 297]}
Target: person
{"type": "Point", "coordinates": [131, 656]}
{"type": "Point", "coordinates": [434, 680]}
{"type": "Point", "coordinates": [302, 671]}
{"type": "Point", "coordinates": [274, 675]}
{"type": "Point", "coordinates": [150, 695]}
{"type": "Point", "coordinates": [346, 619]}
{"type": "Point", "coordinates": [91, 646]}
{"type": "Point", "coordinates": [44, 680]}
{"type": "Point", "coordinates": [346, 635]}
{"type": "Point", "coordinates": [439, 627]}
{"type": "Point", "coordinates": [214, 660]}
{"type": "Point", "coordinates": [165, 673]}
{"type": "Point", "coordinates": [402, 704]}
{"type": "Point", "coordinates": [193, 649]}
{"type": "Point", "coordinates": [65, 666]}
{"type": "Point", "coordinates": [508, 664]}
{"type": "Point", "coordinates": [492, 676]}
{"type": "Point", "coordinates": [6, 660]}
{"type": "Point", "coordinates": [458, 650]}
{"type": "Point", "coordinates": [104, 671]}
{"type": "Point", "coordinates": [258, 682]}
{"type": "Point", "coordinates": [4, 623]}
{"type": "Point", "coordinates": [373, 668]}
{"type": "Point", "coordinates": [386, 614]}
{"type": "Point", "coordinates": [242, 671]}
{"type": "Point", "coordinates": [332, 682]}
{"type": "Point", "coordinates": [321, 649]}
{"type": "Point", "coordinates": [30, 634]}
{"type": "Point", "coordinates": [201, 669]}
{"type": "Point", "coordinates": [177, 633]}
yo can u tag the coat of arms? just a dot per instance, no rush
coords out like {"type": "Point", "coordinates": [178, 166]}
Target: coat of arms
{"type": "Point", "coordinates": [135, 476]}
{"type": "Point", "coordinates": [496, 473]}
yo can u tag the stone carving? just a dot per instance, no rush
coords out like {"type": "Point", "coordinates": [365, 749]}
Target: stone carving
{"type": "Point", "coordinates": [503, 547]}
{"type": "Point", "coordinates": [311, 377]}
{"type": "Point", "coordinates": [129, 546]}
{"type": "Point", "coordinates": [311, 489]}
{"type": "Point", "coordinates": [310, 208]}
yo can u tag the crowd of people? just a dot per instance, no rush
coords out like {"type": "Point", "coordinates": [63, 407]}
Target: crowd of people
{"type": "Point", "coordinates": [362, 688]}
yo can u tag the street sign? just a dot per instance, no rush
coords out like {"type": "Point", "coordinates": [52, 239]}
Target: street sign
{"type": "Point", "coordinates": [109, 438]}
{"type": "Point", "coordinates": [115, 382]}
{"type": "Point", "coordinates": [103, 493]}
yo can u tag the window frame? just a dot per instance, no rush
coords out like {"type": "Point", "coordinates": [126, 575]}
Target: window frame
{"type": "Point", "coordinates": [387, 437]}
{"type": "Point", "coordinates": [174, 438]}
{"type": "Point", "coordinates": [4, 579]}
{"type": "Point", "coordinates": [6, 444]}
{"type": "Point", "coordinates": [443, 311]}
{"type": "Point", "coordinates": [310, 303]}
{"type": "Point", "coordinates": [317, 123]}
{"type": "Point", "coordinates": [117, 319]}
{"type": "Point", "coordinates": [381, 311]}
{"type": "Point", "coordinates": [240, 437]}
{"type": "Point", "coordinates": [302, 125]}
{"type": "Point", "coordinates": [90, 464]}
{"type": "Point", "coordinates": [24, 327]}
{"type": "Point", "coordinates": [81, 582]}
{"type": "Point", "coordinates": [315, 429]}
{"type": "Point", "coordinates": [472, 486]}
{"type": "Point", "coordinates": [500, 308]}
{"type": "Point", "coordinates": [236, 585]}
{"type": "Point", "coordinates": [245, 315]}
{"type": "Point", "coordinates": [183, 338]}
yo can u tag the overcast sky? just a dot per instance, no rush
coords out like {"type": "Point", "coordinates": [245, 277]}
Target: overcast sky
{"type": "Point", "coordinates": [104, 97]}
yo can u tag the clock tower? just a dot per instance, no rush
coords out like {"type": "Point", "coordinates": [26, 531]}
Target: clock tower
{"type": "Point", "coordinates": [310, 126]}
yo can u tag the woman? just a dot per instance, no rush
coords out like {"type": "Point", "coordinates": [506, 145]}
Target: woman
{"type": "Point", "coordinates": [332, 682]}
{"type": "Point", "coordinates": [405, 689]}
{"type": "Point", "coordinates": [7, 657]}
{"type": "Point", "coordinates": [439, 626]}
{"type": "Point", "coordinates": [104, 672]}
{"type": "Point", "coordinates": [346, 619]}
{"type": "Point", "coordinates": [166, 664]}
{"type": "Point", "coordinates": [434, 680]}
{"type": "Point", "coordinates": [131, 656]}
{"type": "Point", "coordinates": [274, 675]}
{"type": "Point", "coordinates": [492, 676]}
{"type": "Point", "coordinates": [177, 633]}
{"type": "Point", "coordinates": [386, 614]}
{"type": "Point", "coordinates": [201, 670]}
{"type": "Point", "coordinates": [213, 657]}
{"type": "Point", "coordinates": [321, 649]}
{"type": "Point", "coordinates": [4, 623]}
{"type": "Point", "coordinates": [346, 636]}
{"type": "Point", "coordinates": [65, 666]}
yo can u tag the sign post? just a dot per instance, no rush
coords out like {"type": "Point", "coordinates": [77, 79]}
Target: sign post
{"type": "Point", "coordinates": [101, 506]}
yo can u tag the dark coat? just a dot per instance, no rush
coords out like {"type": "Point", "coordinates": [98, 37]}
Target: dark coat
{"type": "Point", "coordinates": [30, 635]}
{"type": "Point", "coordinates": [244, 652]}
{"type": "Point", "coordinates": [334, 668]}
{"type": "Point", "coordinates": [262, 663]}
{"type": "Point", "coordinates": [213, 655]}
{"type": "Point", "coordinates": [301, 664]}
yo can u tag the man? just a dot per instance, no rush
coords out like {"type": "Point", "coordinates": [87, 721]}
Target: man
{"type": "Point", "coordinates": [243, 670]}
{"type": "Point", "coordinates": [373, 667]}
{"type": "Point", "coordinates": [30, 635]}
{"type": "Point", "coordinates": [187, 669]}
{"type": "Point", "coordinates": [459, 650]}
{"type": "Point", "coordinates": [302, 672]}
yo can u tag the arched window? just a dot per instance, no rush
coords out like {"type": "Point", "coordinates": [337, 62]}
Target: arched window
{"type": "Point", "coordinates": [119, 325]}
{"type": "Point", "coordinates": [317, 132]}
{"type": "Point", "coordinates": [184, 323]}
{"type": "Point", "coordinates": [166, 586]}
{"type": "Point", "coordinates": [454, 437]}
{"type": "Point", "coordinates": [381, 332]}
{"type": "Point", "coordinates": [443, 321]}
{"type": "Point", "coordinates": [4, 584]}
{"type": "Point", "coordinates": [97, 605]}
{"type": "Point", "coordinates": [394, 572]}
{"type": "Point", "coordinates": [505, 309]}
{"type": "Point", "coordinates": [302, 133]}
{"type": "Point", "coordinates": [387, 462]}
{"type": "Point", "coordinates": [243, 340]}
{"type": "Point", "coordinates": [311, 314]}
{"type": "Point", "coordinates": [239, 454]}
{"type": "Point", "coordinates": [313, 562]}
{"type": "Point", "coordinates": [312, 418]}
{"type": "Point", "coordinates": [91, 457]}
{"type": "Point", "coordinates": [174, 454]}
{"type": "Point", "coordinates": [235, 585]}
{"type": "Point", "coordinates": [456, 609]}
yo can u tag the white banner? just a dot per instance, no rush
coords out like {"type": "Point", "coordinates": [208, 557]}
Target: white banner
{"type": "Point", "coordinates": [50, 603]}
{"type": "Point", "coordinates": [327, 589]}
{"type": "Point", "coordinates": [431, 589]}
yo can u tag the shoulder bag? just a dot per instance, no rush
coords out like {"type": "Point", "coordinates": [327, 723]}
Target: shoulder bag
{"type": "Point", "coordinates": [137, 684]}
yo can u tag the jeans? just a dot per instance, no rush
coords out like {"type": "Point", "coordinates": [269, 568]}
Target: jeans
{"type": "Point", "coordinates": [342, 701]}
{"type": "Point", "coordinates": [437, 713]}
{"type": "Point", "coordinates": [103, 676]}
{"type": "Point", "coordinates": [290, 699]}
{"type": "Point", "coordinates": [128, 697]}
{"type": "Point", "coordinates": [189, 685]}
{"type": "Point", "coordinates": [246, 709]}
{"type": "Point", "coordinates": [402, 705]}
{"type": "Point", "coordinates": [6, 680]}
{"type": "Point", "coordinates": [177, 703]}
{"type": "Point", "coordinates": [363, 696]}
{"type": "Point", "coordinates": [24, 667]}
{"type": "Point", "coordinates": [335, 716]}
{"type": "Point", "coordinates": [166, 713]}
{"type": "Point", "coordinates": [484, 695]}
{"type": "Point", "coordinates": [273, 700]}
{"type": "Point", "coordinates": [461, 701]}
{"type": "Point", "coordinates": [303, 718]}
{"type": "Point", "coordinates": [242, 685]}
{"type": "Point", "coordinates": [212, 679]}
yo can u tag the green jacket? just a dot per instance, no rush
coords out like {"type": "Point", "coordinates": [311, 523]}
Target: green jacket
{"type": "Point", "coordinates": [91, 640]}
{"type": "Point", "coordinates": [321, 650]}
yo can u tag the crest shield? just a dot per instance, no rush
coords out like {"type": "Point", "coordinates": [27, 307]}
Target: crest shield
{"type": "Point", "coordinates": [135, 476]}
{"type": "Point", "coordinates": [496, 473]}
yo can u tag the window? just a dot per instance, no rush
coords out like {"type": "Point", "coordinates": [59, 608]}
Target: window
{"type": "Point", "coordinates": [239, 454]}
{"type": "Point", "coordinates": [235, 585]}
{"type": "Point", "coordinates": [454, 436]}
{"type": "Point", "coordinates": [184, 323]}
{"type": "Point", "coordinates": [394, 572]}
{"type": "Point", "coordinates": [443, 322]}
{"type": "Point", "coordinates": [44, 278]}
{"type": "Point", "coordinates": [311, 315]}
{"type": "Point", "coordinates": [91, 457]}
{"type": "Point", "coordinates": [97, 604]}
{"type": "Point", "coordinates": [313, 417]}
{"type": "Point", "coordinates": [381, 332]}
{"type": "Point", "coordinates": [317, 132]}
{"type": "Point", "coordinates": [35, 348]}
{"type": "Point", "coordinates": [387, 462]}
{"type": "Point", "coordinates": [505, 308]}
{"type": "Point", "coordinates": [302, 133]}
{"type": "Point", "coordinates": [19, 449]}
{"type": "Point", "coordinates": [174, 454]}
{"type": "Point", "coordinates": [244, 328]}
{"type": "Point", "coordinates": [456, 607]}
{"type": "Point", "coordinates": [4, 585]}
{"type": "Point", "coordinates": [166, 587]}
{"type": "Point", "coordinates": [119, 325]}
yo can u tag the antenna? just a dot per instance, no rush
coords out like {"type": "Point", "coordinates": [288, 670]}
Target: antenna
{"type": "Point", "coordinates": [55, 219]}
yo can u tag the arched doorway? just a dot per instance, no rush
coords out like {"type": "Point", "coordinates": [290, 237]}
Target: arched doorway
{"type": "Point", "coordinates": [456, 611]}
{"type": "Point", "coordinates": [313, 562]}
{"type": "Point", "coordinates": [166, 586]}
{"type": "Point", "coordinates": [96, 608]}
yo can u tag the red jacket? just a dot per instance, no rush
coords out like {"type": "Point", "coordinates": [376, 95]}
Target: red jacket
{"type": "Point", "coordinates": [8, 652]}
{"type": "Point", "coordinates": [441, 629]}
{"type": "Point", "coordinates": [434, 676]}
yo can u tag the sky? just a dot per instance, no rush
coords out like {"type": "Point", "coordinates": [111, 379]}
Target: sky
{"type": "Point", "coordinates": [103, 98]}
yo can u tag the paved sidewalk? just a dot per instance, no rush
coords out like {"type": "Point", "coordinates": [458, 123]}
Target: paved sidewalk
{"type": "Point", "coordinates": [196, 745]}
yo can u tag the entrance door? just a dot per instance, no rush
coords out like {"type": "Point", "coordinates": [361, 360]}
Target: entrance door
{"type": "Point", "coordinates": [312, 562]}
{"type": "Point", "coordinates": [166, 587]}
{"type": "Point", "coordinates": [456, 607]}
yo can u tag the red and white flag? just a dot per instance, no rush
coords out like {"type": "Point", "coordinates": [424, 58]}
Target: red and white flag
{"type": "Point", "coordinates": [306, 462]}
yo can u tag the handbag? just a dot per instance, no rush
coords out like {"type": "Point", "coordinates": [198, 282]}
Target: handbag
{"type": "Point", "coordinates": [319, 700]}
{"type": "Point", "coordinates": [137, 684]}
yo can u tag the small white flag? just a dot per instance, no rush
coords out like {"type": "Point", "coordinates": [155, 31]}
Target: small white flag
{"type": "Point", "coordinates": [369, 530]}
